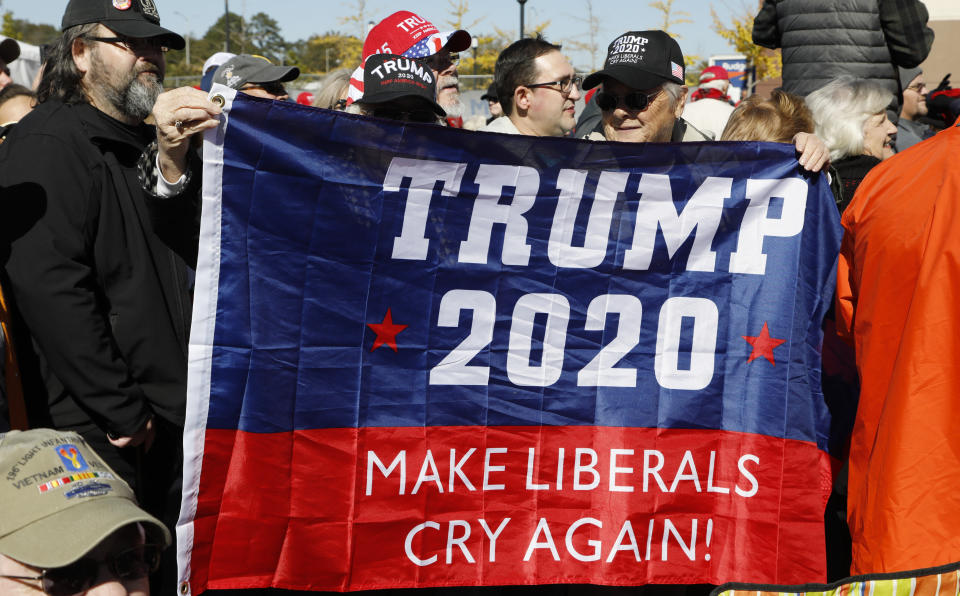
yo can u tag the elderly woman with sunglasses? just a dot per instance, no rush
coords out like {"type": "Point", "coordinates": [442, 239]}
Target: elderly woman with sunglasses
{"type": "Point", "coordinates": [643, 96]}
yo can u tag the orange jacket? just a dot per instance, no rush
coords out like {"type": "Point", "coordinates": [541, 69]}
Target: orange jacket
{"type": "Point", "coordinates": [898, 298]}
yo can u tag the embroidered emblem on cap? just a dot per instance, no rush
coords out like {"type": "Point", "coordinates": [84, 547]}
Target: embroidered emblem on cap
{"type": "Point", "coordinates": [149, 8]}
{"type": "Point", "coordinates": [121, 4]}
{"type": "Point", "coordinates": [94, 489]}
{"type": "Point", "coordinates": [71, 458]}
{"type": "Point", "coordinates": [75, 477]}
{"type": "Point", "coordinates": [676, 70]}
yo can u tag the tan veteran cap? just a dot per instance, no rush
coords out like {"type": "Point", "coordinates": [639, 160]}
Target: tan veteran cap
{"type": "Point", "coordinates": [58, 499]}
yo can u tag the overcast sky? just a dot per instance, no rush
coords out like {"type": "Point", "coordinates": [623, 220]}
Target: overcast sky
{"type": "Point", "coordinates": [300, 19]}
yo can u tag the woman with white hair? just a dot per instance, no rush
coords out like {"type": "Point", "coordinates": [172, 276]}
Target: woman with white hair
{"type": "Point", "coordinates": [851, 118]}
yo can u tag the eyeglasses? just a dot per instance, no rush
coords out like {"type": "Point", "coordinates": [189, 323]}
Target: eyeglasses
{"type": "Point", "coordinates": [274, 88]}
{"type": "Point", "coordinates": [636, 100]}
{"type": "Point", "coordinates": [79, 576]}
{"type": "Point", "coordinates": [566, 84]}
{"type": "Point", "coordinates": [137, 45]}
{"type": "Point", "coordinates": [918, 87]}
{"type": "Point", "coordinates": [421, 115]}
{"type": "Point", "coordinates": [442, 61]}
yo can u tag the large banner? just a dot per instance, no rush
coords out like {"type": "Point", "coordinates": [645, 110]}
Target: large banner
{"type": "Point", "coordinates": [432, 357]}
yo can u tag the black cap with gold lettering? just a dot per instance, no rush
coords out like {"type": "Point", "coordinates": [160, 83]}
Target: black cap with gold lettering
{"type": "Point", "coordinates": [133, 18]}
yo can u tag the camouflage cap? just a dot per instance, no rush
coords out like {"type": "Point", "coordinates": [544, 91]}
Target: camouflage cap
{"type": "Point", "coordinates": [60, 499]}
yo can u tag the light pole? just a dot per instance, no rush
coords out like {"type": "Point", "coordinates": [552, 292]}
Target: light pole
{"type": "Point", "coordinates": [187, 21]}
{"type": "Point", "coordinates": [521, 3]}
{"type": "Point", "coordinates": [226, 21]}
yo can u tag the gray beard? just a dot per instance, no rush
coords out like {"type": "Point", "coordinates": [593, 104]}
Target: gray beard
{"type": "Point", "coordinates": [135, 99]}
{"type": "Point", "coordinates": [455, 108]}
{"type": "Point", "coordinates": [125, 92]}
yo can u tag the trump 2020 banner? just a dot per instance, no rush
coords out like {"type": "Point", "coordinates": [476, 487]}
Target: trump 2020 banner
{"type": "Point", "coordinates": [431, 357]}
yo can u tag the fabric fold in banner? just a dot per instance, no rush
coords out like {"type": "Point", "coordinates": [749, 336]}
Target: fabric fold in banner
{"type": "Point", "coordinates": [429, 357]}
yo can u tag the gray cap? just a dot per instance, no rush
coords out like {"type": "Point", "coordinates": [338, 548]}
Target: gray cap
{"type": "Point", "coordinates": [907, 75]}
{"type": "Point", "coordinates": [60, 500]}
{"type": "Point", "coordinates": [244, 68]}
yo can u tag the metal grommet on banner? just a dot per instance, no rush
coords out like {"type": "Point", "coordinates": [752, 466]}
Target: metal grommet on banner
{"type": "Point", "coordinates": [219, 100]}
{"type": "Point", "coordinates": [184, 588]}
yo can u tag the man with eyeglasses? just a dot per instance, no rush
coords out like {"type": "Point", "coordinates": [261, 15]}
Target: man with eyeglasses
{"type": "Point", "coordinates": [643, 91]}
{"type": "Point", "coordinates": [105, 302]}
{"type": "Point", "coordinates": [256, 76]}
{"type": "Point", "coordinates": [538, 90]}
{"type": "Point", "coordinates": [910, 130]}
{"type": "Point", "coordinates": [69, 525]}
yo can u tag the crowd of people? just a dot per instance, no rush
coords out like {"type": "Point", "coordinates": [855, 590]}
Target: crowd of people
{"type": "Point", "coordinates": [99, 185]}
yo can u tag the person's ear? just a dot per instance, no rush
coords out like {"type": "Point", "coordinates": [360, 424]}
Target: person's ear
{"type": "Point", "coordinates": [681, 101]}
{"type": "Point", "coordinates": [82, 55]}
{"type": "Point", "coordinates": [522, 98]}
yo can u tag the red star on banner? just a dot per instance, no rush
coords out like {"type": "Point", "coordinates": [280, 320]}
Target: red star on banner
{"type": "Point", "coordinates": [386, 332]}
{"type": "Point", "coordinates": [763, 344]}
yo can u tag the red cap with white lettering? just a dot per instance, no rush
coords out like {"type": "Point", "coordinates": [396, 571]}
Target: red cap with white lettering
{"type": "Point", "coordinates": [403, 30]}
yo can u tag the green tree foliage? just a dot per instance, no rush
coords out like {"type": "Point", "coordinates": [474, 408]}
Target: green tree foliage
{"type": "Point", "coordinates": [32, 33]}
{"type": "Point", "coordinates": [323, 53]}
{"type": "Point", "coordinates": [263, 35]}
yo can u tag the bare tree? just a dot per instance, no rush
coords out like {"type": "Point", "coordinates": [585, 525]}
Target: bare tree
{"type": "Point", "coordinates": [592, 46]}
{"type": "Point", "coordinates": [357, 18]}
{"type": "Point", "coordinates": [665, 7]}
{"type": "Point", "coordinates": [459, 10]}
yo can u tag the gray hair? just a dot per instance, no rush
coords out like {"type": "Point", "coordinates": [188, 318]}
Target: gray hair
{"type": "Point", "coordinates": [675, 91]}
{"type": "Point", "coordinates": [61, 78]}
{"type": "Point", "coordinates": [331, 88]}
{"type": "Point", "coordinates": [840, 109]}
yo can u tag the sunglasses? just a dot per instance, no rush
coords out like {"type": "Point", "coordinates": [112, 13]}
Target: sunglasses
{"type": "Point", "coordinates": [635, 101]}
{"type": "Point", "coordinates": [135, 45]}
{"type": "Point", "coordinates": [77, 577]}
{"type": "Point", "coordinates": [442, 61]}
{"type": "Point", "coordinates": [427, 116]}
{"type": "Point", "coordinates": [274, 88]}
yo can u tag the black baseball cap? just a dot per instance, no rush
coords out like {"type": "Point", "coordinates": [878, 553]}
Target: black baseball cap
{"type": "Point", "coordinates": [641, 60]}
{"type": "Point", "coordinates": [387, 77]}
{"type": "Point", "coordinates": [247, 68]}
{"type": "Point", "coordinates": [133, 18]}
{"type": "Point", "coordinates": [9, 50]}
{"type": "Point", "coordinates": [491, 93]}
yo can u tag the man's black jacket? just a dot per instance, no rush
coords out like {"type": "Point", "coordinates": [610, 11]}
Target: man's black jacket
{"type": "Point", "coordinates": [104, 301]}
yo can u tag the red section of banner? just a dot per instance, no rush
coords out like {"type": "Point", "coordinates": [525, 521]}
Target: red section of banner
{"type": "Point", "coordinates": [349, 509]}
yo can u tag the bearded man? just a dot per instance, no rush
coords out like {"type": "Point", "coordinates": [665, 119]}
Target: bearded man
{"type": "Point", "coordinates": [103, 300]}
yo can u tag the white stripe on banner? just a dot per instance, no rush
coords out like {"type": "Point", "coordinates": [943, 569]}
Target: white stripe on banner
{"type": "Point", "coordinates": [201, 335]}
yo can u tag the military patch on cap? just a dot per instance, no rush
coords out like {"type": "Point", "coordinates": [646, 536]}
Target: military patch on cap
{"type": "Point", "coordinates": [72, 458]}
{"type": "Point", "coordinates": [93, 489]}
{"type": "Point", "coordinates": [122, 4]}
{"type": "Point", "coordinates": [148, 8]}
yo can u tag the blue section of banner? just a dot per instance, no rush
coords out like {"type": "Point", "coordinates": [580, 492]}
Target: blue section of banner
{"type": "Point", "coordinates": [308, 234]}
